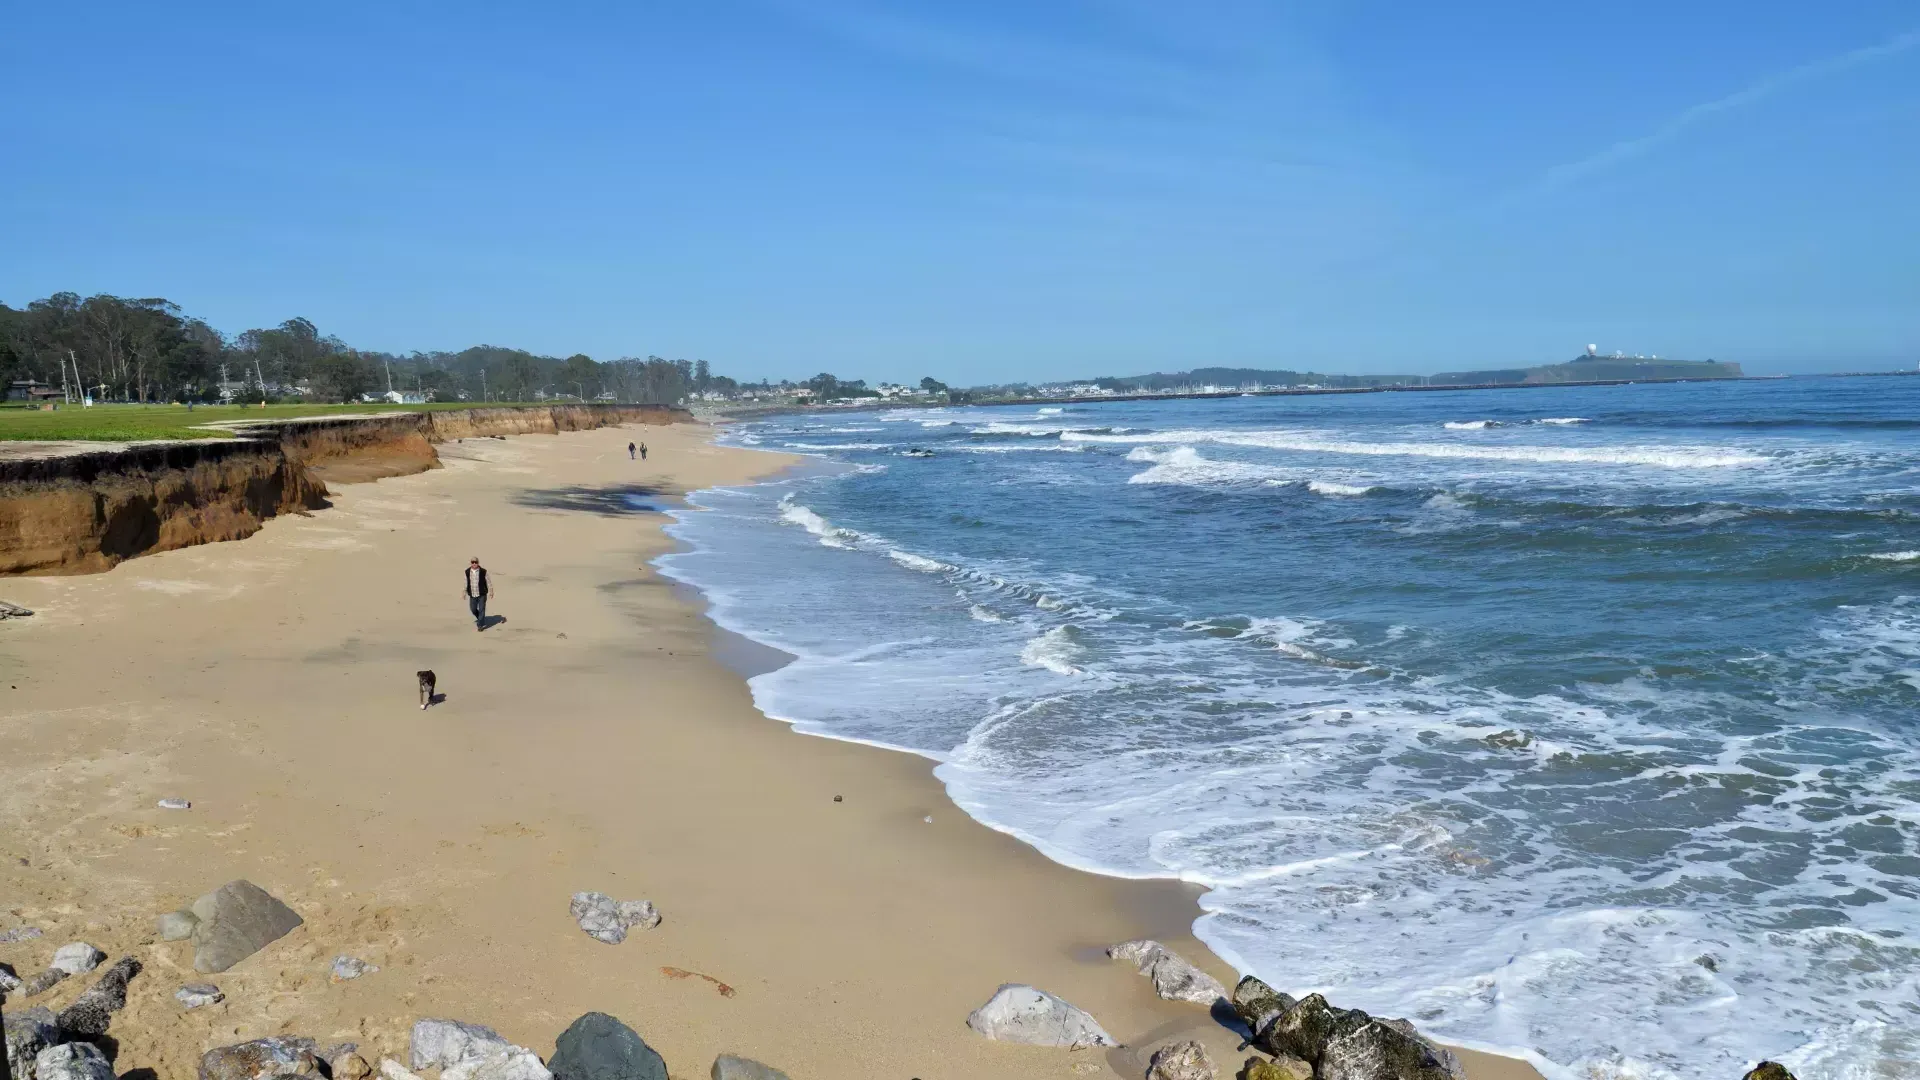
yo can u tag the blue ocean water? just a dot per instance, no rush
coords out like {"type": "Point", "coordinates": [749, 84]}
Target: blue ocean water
{"type": "Point", "coordinates": [1579, 722]}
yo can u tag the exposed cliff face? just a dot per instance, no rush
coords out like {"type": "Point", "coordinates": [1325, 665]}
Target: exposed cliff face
{"type": "Point", "coordinates": [82, 512]}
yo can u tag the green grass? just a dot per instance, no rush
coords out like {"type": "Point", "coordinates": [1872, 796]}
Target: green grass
{"type": "Point", "coordinates": [127, 423]}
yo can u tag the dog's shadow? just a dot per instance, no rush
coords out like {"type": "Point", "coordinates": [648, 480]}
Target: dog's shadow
{"type": "Point", "coordinates": [435, 699]}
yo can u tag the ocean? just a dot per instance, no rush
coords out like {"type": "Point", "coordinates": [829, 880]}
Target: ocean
{"type": "Point", "coordinates": [1581, 722]}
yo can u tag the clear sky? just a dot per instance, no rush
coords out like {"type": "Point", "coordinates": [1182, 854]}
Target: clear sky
{"type": "Point", "coordinates": [990, 190]}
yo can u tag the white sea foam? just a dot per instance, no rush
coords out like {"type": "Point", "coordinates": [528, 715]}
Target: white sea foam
{"type": "Point", "coordinates": [917, 562]}
{"type": "Point", "coordinates": [983, 613]}
{"type": "Point", "coordinates": [835, 446]}
{"type": "Point", "coordinates": [1563, 420]}
{"type": "Point", "coordinates": [1897, 556]}
{"type": "Point", "coordinates": [1050, 412]}
{"type": "Point", "coordinates": [1672, 457]}
{"type": "Point", "coordinates": [1054, 650]}
{"type": "Point", "coordinates": [1328, 487]}
{"type": "Point", "coordinates": [1470, 425]}
{"type": "Point", "coordinates": [794, 513]}
{"type": "Point", "coordinates": [1184, 465]}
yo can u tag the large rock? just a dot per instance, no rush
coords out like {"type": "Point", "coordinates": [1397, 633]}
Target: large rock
{"type": "Point", "coordinates": [1347, 1044]}
{"type": "Point", "coordinates": [9, 980]}
{"type": "Point", "coordinates": [1022, 1014]}
{"type": "Point", "coordinates": [441, 1043]}
{"type": "Point", "coordinates": [28, 1032]}
{"type": "Point", "coordinates": [1174, 979]}
{"type": "Point", "coordinates": [606, 919]}
{"type": "Point", "coordinates": [235, 921]}
{"type": "Point", "coordinates": [509, 1063]}
{"type": "Point", "coordinates": [77, 958]}
{"type": "Point", "coordinates": [349, 1066]}
{"type": "Point", "coordinates": [43, 982]}
{"type": "Point", "coordinates": [1258, 1005]}
{"type": "Point", "coordinates": [1180, 1061]}
{"type": "Point", "coordinates": [730, 1067]}
{"type": "Point", "coordinates": [1768, 1070]}
{"type": "Point", "coordinates": [598, 1047]}
{"type": "Point", "coordinates": [261, 1059]}
{"type": "Point", "coordinates": [72, 1061]}
{"type": "Point", "coordinates": [93, 1010]}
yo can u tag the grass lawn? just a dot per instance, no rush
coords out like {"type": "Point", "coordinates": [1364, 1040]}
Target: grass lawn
{"type": "Point", "coordinates": [125, 423]}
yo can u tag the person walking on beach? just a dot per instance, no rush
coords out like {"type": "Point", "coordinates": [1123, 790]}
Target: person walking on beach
{"type": "Point", "coordinates": [629, 451]}
{"type": "Point", "coordinates": [479, 588]}
{"type": "Point", "coordinates": [643, 451]}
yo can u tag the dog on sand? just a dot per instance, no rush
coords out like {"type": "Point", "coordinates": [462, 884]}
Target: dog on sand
{"type": "Point", "coordinates": [426, 687]}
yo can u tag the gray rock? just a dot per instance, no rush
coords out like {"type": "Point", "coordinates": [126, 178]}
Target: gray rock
{"type": "Point", "coordinates": [349, 967]}
{"type": "Point", "coordinates": [77, 958]}
{"type": "Point", "coordinates": [237, 920]}
{"type": "Point", "coordinates": [9, 980]}
{"type": "Point", "coordinates": [1258, 1005]}
{"type": "Point", "coordinates": [1180, 1061]}
{"type": "Point", "coordinates": [174, 804]}
{"type": "Point", "coordinates": [440, 1043]}
{"type": "Point", "coordinates": [20, 933]}
{"type": "Point", "coordinates": [194, 995]}
{"type": "Point", "coordinates": [598, 1047]}
{"type": "Point", "coordinates": [348, 1065]}
{"type": "Point", "coordinates": [510, 1063]}
{"type": "Point", "coordinates": [729, 1067]}
{"type": "Point", "coordinates": [28, 1032]}
{"type": "Point", "coordinates": [1174, 979]}
{"type": "Point", "coordinates": [605, 919]}
{"type": "Point", "coordinates": [13, 611]}
{"type": "Point", "coordinates": [176, 925]}
{"type": "Point", "coordinates": [93, 1010]}
{"type": "Point", "coordinates": [72, 1061]}
{"type": "Point", "coordinates": [282, 1055]}
{"type": "Point", "coordinates": [1022, 1014]}
{"type": "Point", "coordinates": [43, 982]}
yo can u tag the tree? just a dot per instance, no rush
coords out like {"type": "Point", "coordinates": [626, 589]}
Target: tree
{"type": "Point", "coordinates": [581, 375]}
{"type": "Point", "coordinates": [343, 376]}
{"type": "Point", "coordinates": [932, 385]}
{"type": "Point", "coordinates": [824, 386]}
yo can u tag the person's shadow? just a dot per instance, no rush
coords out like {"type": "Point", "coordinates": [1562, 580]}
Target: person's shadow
{"type": "Point", "coordinates": [492, 621]}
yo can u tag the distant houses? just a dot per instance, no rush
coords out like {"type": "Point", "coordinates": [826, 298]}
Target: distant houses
{"type": "Point", "coordinates": [33, 391]}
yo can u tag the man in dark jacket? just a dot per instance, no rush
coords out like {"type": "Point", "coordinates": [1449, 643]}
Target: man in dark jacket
{"type": "Point", "coordinates": [479, 589]}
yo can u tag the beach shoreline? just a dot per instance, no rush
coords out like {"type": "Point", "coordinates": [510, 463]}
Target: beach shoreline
{"type": "Point", "coordinates": [601, 737]}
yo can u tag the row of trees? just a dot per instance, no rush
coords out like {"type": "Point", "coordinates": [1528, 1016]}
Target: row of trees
{"type": "Point", "coordinates": [146, 350]}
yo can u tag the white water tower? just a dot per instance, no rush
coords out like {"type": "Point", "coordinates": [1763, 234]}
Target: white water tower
{"type": "Point", "coordinates": [1593, 350]}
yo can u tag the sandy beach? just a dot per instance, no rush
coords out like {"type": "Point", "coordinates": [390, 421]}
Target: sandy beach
{"type": "Point", "coordinates": [592, 739]}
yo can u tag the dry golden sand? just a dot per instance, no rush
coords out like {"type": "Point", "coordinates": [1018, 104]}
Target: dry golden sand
{"type": "Point", "coordinates": [591, 741]}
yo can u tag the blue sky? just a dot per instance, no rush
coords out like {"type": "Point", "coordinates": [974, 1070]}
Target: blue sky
{"type": "Point", "coordinates": [988, 191]}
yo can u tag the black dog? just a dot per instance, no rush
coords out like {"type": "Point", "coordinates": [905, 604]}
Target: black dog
{"type": "Point", "coordinates": [426, 687]}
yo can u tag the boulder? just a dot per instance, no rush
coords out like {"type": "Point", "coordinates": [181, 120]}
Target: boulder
{"type": "Point", "coordinates": [194, 995]}
{"type": "Point", "coordinates": [349, 967]}
{"type": "Point", "coordinates": [500, 1063]}
{"type": "Point", "coordinates": [1768, 1070]}
{"type": "Point", "coordinates": [1174, 979]}
{"type": "Point", "coordinates": [9, 980]}
{"type": "Point", "coordinates": [28, 1032]}
{"type": "Point", "coordinates": [605, 919]}
{"type": "Point", "coordinates": [441, 1043]}
{"type": "Point", "coordinates": [93, 1010]}
{"type": "Point", "coordinates": [1180, 1061]}
{"type": "Point", "coordinates": [598, 1047]}
{"type": "Point", "coordinates": [176, 925]}
{"type": "Point", "coordinates": [1280, 1068]}
{"type": "Point", "coordinates": [72, 1061]}
{"type": "Point", "coordinates": [1022, 1014]}
{"type": "Point", "coordinates": [349, 1066]}
{"type": "Point", "coordinates": [1347, 1044]}
{"type": "Point", "coordinates": [77, 958]}
{"type": "Point", "coordinates": [43, 982]}
{"type": "Point", "coordinates": [235, 921]}
{"type": "Point", "coordinates": [1258, 1005]}
{"type": "Point", "coordinates": [261, 1059]}
{"type": "Point", "coordinates": [730, 1067]}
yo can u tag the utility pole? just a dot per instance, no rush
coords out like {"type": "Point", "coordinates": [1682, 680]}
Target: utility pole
{"type": "Point", "coordinates": [66, 393]}
{"type": "Point", "coordinates": [261, 378]}
{"type": "Point", "coordinates": [389, 367]}
{"type": "Point", "coordinates": [224, 394]}
{"type": "Point", "coordinates": [483, 386]}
